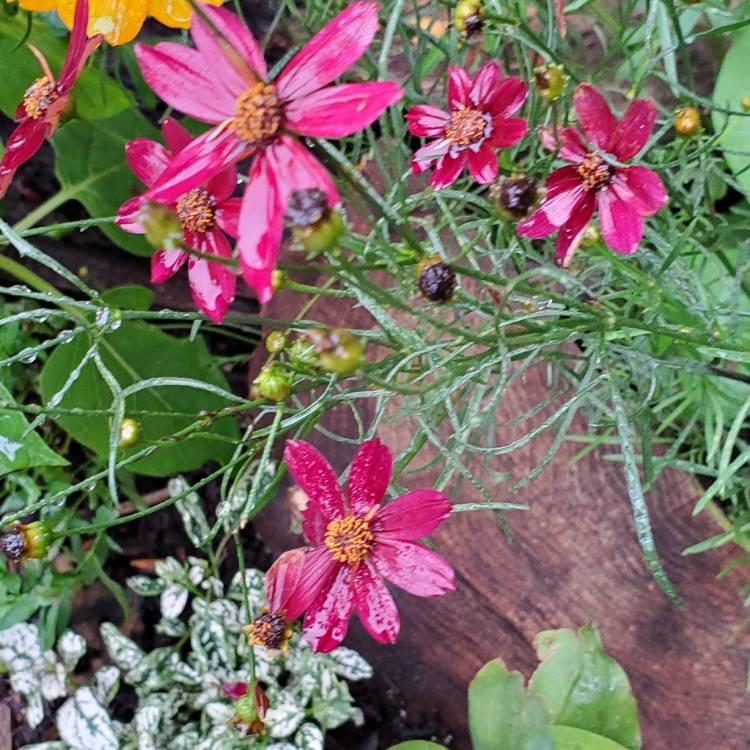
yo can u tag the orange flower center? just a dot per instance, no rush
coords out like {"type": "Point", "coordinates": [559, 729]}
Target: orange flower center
{"type": "Point", "coordinates": [197, 210]}
{"type": "Point", "coordinates": [269, 630]}
{"type": "Point", "coordinates": [466, 126]}
{"type": "Point", "coordinates": [257, 116]}
{"type": "Point", "coordinates": [39, 96]}
{"type": "Point", "coordinates": [595, 172]}
{"type": "Point", "coordinates": [349, 539]}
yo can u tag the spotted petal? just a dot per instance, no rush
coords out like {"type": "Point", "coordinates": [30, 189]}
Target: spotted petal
{"type": "Point", "coordinates": [327, 620]}
{"type": "Point", "coordinates": [375, 605]}
{"type": "Point", "coordinates": [369, 476]}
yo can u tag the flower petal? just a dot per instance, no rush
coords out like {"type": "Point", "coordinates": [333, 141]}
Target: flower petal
{"type": "Point", "coordinates": [223, 184]}
{"type": "Point", "coordinates": [634, 129]}
{"type": "Point", "coordinates": [459, 86]}
{"type": "Point", "coordinates": [179, 76]}
{"type": "Point", "coordinates": [375, 605]}
{"type": "Point", "coordinates": [646, 190]}
{"type": "Point", "coordinates": [572, 231]}
{"type": "Point", "coordinates": [234, 690]}
{"type": "Point", "coordinates": [595, 116]}
{"type": "Point", "coordinates": [507, 132]}
{"type": "Point", "coordinates": [166, 263]}
{"type": "Point", "coordinates": [337, 111]}
{"type": "Point", "coordinates": [129, 216]}
{"type": "Point", "coordinates": [564, 193]}
{"type": "Point", "coordinates": [484, 88]}
{"type": "Point", "coordinates": [412, 516]}
{"type": "Point", "coordinates": [423, 158]}
{"type": "Point", "coordinates": [79, 46]}
{"type": "Point", "coordinates": [316, 478]}
{"type": "Point", "coordinates": [23, 143]}
{"type": "Point", "coordinates": [333, 50]}
{"type": "Point", "coordinates": [147, 159]}
{"type": "Point", "coordinates": [228, 216]}
{"type": "Point", "coordinates": [426, 121]}
{"type": "Point", "coordinates": [327, 620]}
{"type": "Point", "coordinates": [315, 578]}
{"type": "Point", "coordinates": [413, 568]}
{"type": "Point", "coordinates": [536, 226]}
{"type": "Point", "coordinates": [175, 135]}
{"type": "Point", "coordinates": [482, 164]}
{"type": "Point", "coordinates": [369, 476]}
{"type": "Point", "coordinates": [283, 578]}
{"type": "Point", "coordinates": [622, 227]}
{"type": "Point", "coordinates": [569, 143]}
{"type": "Point", "coordinates": [212, 284]}
{"type": "Point", "coordinates": [508, 97]}
{"type": "Point", "coordinates": [448, 170]}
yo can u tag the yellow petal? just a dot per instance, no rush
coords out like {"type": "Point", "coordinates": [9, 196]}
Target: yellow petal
{"type": "Point", "coordinates": [175, 13]}
{"type": "Point", "coordinates": [42, 5]}
{"type": "Point", "coordinates": [118, 20]}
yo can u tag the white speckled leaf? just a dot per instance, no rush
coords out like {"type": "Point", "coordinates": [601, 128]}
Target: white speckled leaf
{"type": "Point", "coordinates": [71, 647]}
{"type": "Point", "coordinates": [19, 646]}
{"type": "Point", "coordinates": [190, 508]}
{"type": "Point", "coordinates": [145, 586]}
{"type": "Point", "coordinates": [173, 600]}
{"type": "Point", "coordinates": [124, 653]}
{"type": "Point", "coordinates": [170, 570]}
{"type": "Point", "coordinates": [350, 664]}
{"type": "Point", "coordinates": [84, 724]}
{"type": "Point", "coordinates": [284, 716]}
{"type": "Point", "coordinates": [105, 684]}
{"type": "Point", "coordinates": [54, 745]}
{"type": "Point", "coordinates": [309, 737]}
{"type": "Point", "coordinates": [53, 681]}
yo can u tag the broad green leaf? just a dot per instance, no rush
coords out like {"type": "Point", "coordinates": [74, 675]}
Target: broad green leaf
{"type": "Point", "coordinates": [570, 738]}
{"type": "Point", "coordinates": [583, 687]}
{"type": "Point", "coordinates": [19, 450]}
{"type": "Point", "coordinates": [90, 165]}
{"type": "Point", "coordinates": [417, 745]}
{"type": "Point", "coordinates": [134, 352]}
{"type": "Point", "coordinates": [84, 723]}
{"type": "Point", "coordinates": [501, 716]}
{"type": "Point", "coordinates": [731, 86]}
{"type": "Point", "coordinates": [129, 297]}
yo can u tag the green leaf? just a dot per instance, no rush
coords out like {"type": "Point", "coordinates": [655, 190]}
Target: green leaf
{"type": "Point", "coordinates": [570, 738]}
{"type": "Point", "coordinates": [19, 450]}
{"type": "Point", "coordinates": [416, 745]}
{"type": "Point", "coordinates": [731, 86]}
{"type": "Point", "coordinates": [135, 352]}
{"type": "Point", "coordinates": [129, 297]}
{"type": "Point", "coordinates": [90, 165]}
{"type": "Point", "coordinates": [583, 687]}
{"type": "Point", "coordinates": [501, 716]}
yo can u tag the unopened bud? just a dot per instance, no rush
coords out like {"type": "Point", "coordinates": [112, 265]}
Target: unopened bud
{"type": "Point", "coordinates": [276, 342]}
{"type": "Point", "coordinates": [551, 81]}
{"type": "Point", "coordinates": [274, 382]}
{"type": "Point", "coordinates": [436, 279]}
{"type": "Point", "coordinates": [468, 17]}
{"type": "Point", "coordinates": [130, 433]}
{"type": "Point", "coordinates": [337, 350]}
{"type": "Point", "coordinates": [687, 121]}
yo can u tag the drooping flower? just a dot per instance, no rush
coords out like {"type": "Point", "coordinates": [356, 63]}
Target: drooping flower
{"type": "Point", "coordinates": [119, 21]}
{"type": "Point", "coordinates": [480, 122]}
{"type": "Point", "coordinates": [204, 214]}
{"type": "Point", "coordinates": [46, 99]}
{"type": "Point", "coordinates": [356, 543]}
{"type": "Point", "coordinates": [223, 81]}
{"type": "Point", "coordinates": [596, 178]}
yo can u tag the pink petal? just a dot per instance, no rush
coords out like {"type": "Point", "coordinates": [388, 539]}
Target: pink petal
{"type": "Point", "coordinates": [315, 578]}
{"type": "Point", "coordinates": [413, 568]}
{"type": "Point", "coordinates": [212, 284]}
{"type": "Point", "coordinates": [594, 115]}
{"type": "Point", "coordinates": [484, 88]}
{"type": "Point", "coordinates": [459, 86]}
{"type": "Point", "coordinates": [536, 226]}
{"type": "Point", "coordinates": [166, 263]}
{"type": "Point", "coordinates": [228, 216]}
{"type": "Point", "coordinates": [223, 184]}
{"type": "Point", "coordinates": [412, 516]}
{"type": "Point", "coordinates": [241, 42]}
{"type": "Point", "coordinates": [564, 193]}
{"type": "Point", "coordinates": [425, 157]}
{"type": "Point", "coordinates": [508, 97]}
{"type": "Point", "coordinates": [622, 227]}
{"type": "Point", "coordinates": [369, 476]}
{"type": "Point", "coordinates": [327, 620]}
{"type": "Point", "coordinates": [179, 76]}
{"type": "Point", "coordinates": [333, 50]}
{"type": "Point", "coordinates": [148, 159]}
{"type": "Point", "coordinates": [448, 170]}
{"type": "Point", "coordinates": [23, 143]}
{"type": "Point", "coordinates": [507, 132]}
{"type": "Point", "coordinates": [316, 478]}
{"type": "Point", "coordinates": [572, 231]}
{"type": "Point", "coordinates": [375, 605]}
{"type": "Point", "coordinates": [234, 690]}
{"type": "Point", "coordinates": [297, 169]}
{"type": "Point", "coordinates": [426, 121]}
{"type": "Point", "coordinates": [175, 135]}
{"type": "Point", "coordinates": [634, 130]}
{"type": "Point", "coordinates": [197, 163]}
{"type": "Point", "coordinates": [482, 164]}
{"type": "Point", "coordinates": [337, 111]}
{"type": "Point", "coordinates": [282, 579]}
{"type": "Point", "coordinates": [79, 46]}
{"type": "Point", "coordinates": [646, 191]}
{"type": "Point", "coordinates": [129, 216]}
{"type": "Point", "coordinates": [569, 143]}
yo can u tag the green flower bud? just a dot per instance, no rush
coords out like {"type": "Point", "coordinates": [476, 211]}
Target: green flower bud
{"type": "Point", "coordinates": [277, 279]}
{"type": "Point", "coordinates": [276, 342]}
{"type": "Point", "coordinates": [551, 81]}
{"type": "Point", "coordinates": [163, 228]}
{"type": "Point", "coordinates": [274, 382]}
{"type": "Point", "coordinates": [322, 236]}
{"type": "Point", "coordinates": [302, 353]}
{"type": "Point", "coordinates": [338, 351]}
{"type": "Point", "coordinates": [468, 17]}
{"type": "Point", "coordinates": [745, 103]}
{"type": "Point", "coordinates": [130, 433]}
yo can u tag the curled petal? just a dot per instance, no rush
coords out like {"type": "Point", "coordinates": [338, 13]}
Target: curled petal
{"type": "Point", "coordinates": [482, 164]}
{"type": "Point", "coordinates": [425, 157]}
{"type": "Point", "coordinates": [645, 189]}
{"type": "Point", "coordinates": [459, 87]}
{"type": "Point", "coordinates": [508, 97]}
{"type": "Point", "coordinates": [413, 568]}
{"type": "Point", "coordinates": [79, 46]}
{"type": "Point", "coordinates": [129, 218]}
{"type": "Point", "coordinates": [622, 227]}
{"type": "Point", "coordinates": [148, 159]}
{"type": "Point", "coordinates": [633, 131]}
{"type": "Point", "coordinates": [595, 116]}
{"type": "Point", "coordinates": [375, 605]}
{"type": "Point", "coordinates": [507, 132]}
{"type": "Point", "coordinates": [571, 233]}
{"type": "Point", "coordinates": [282, 579]}
{"type": "Point", "coordinates": [234, 690]}
{"type": "Point", "coordinates": [568, 144]}
{"type": "Point", "coordinates": [175, 135]}
{"type": "Point", "coordinates": [426, 121]}
{"type": "Point", "coordinates": [448, 170]}
{"type": "Point", "coordinates": [412, 516]}
{"type": "Point", "coordinates": [23, 143]}
{"type": "Point", "coordinates": [484, 88]}
{"type": "Point", "coordinates": [337, 111]}
{"type": "Point", "coordinates": [333, 50]}
{"type": "Point", "coordinates": [327, 620]}
{"type": "Point", "coordinates": [369, 476]}
{"type": "Point", "coordinates": [212, 284]}
{"type": "Point", "coordinates": [166, 263]}
{"type": "Point", "coordinates": [315, 578]}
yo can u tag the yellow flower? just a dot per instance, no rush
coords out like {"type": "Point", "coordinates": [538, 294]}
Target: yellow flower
{"type": "Point", "coordinates": [121, 20]}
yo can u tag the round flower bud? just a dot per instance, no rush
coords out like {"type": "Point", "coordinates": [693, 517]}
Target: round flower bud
{"type": "Point", "coordinates": [276, 342]}
{"type": "Point", "coordinates": [250, 712]}
{"type": "Point", "coordinates": [516, 196]}
{"type": "Point", "coordinates": [322, 236]}
{"type": "Point", "coordinates": [687, 121]}
{"type": "Point", "coordinates": [130, 433]}
{"type": "Point", "coordinates": [337, 350]}
{"type": "Point", "coordinates": [25, 541]}
{"type": "Point", "coordinates": [278, 278]}
{"type": "Point", "coordinates": [313, 222]}
{"type": "Point", "coordinates": [551, 81]}
{"type": "Point", "coordinates": [436, 279]}
{"type": "Point", "coordinates": [591, 236]}
{"type": "Point", "coordinates": [245, 710]}
{"type": "Point", "coordinates": [302, 353]}
{"type": "Point", "coordinates": [163, 228]}
{"type": "Point", "coordinates": [468, 17]}
{"type": "Point", "coordinates": [745, 103]}
{"type": "Point", "coordinates": [274, 382]}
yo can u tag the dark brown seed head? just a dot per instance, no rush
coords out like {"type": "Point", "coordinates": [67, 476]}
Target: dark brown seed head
{"type": "Point", "coordinates": [307, 207]}
{"type": "Point", "coordinates": [437, 281]}
{"type": "Point", "coordinates": [13, 544]}
{"type": "Point", "coordinates": [516, 196]}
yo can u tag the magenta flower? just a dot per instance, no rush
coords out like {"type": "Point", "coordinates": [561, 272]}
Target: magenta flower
{"type": "Point", "coordinates": [597, 178]}
{"type": "Point", "coordinates": [223, 82]}
{"type": "Point", "coordinates": [356, 543]}
{"type": "Point", "coordinates": [46, 99]}
{"type": "Point", "coordinates": [205, 213]}
{"type": "Point", "coordinates": [480, 121]}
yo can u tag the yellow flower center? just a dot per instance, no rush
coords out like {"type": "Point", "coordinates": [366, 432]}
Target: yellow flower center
{"type": "Point", "coordinates": [39, 96]}
{"type": "Point", "coordinates": [349, 539]}
{"type": "Point", "coordinates": [257, 116]}
{"type": "Point", "coordinates": [466, 126]}
{"type": "Point", "coordinates": [197, 210]}
{"type": "Point", "coordinates": [269, 630]}
{"type": "Point", "coordinates": [595, 172]}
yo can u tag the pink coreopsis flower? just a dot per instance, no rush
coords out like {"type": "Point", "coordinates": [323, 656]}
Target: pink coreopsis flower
{"type": "Point", "coordinates": [223, 81]}
{"type": "Point", "coordinates": [479, 123]}
{"type": "Point", "coordinates": [46, 99]}
{"type": "Point", "coordinates": [597, 178]}
{"type": "Point", "coordinates": [356, 542]}
{"type": "Point", "coordinates": [205, 213]}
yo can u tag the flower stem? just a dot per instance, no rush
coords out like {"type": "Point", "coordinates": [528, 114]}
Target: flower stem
{"type": "Point", "coordinates": [43, 209]}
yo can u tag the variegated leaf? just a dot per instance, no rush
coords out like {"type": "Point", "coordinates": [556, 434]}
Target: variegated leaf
{"type": "Point", "coordinates": [84, 724]}
{"type": "Point", "coordinates": [71, 648]}
{"type": "Point", "coordinates": [20, 647]}
{"type": "Point", "coordinates": [105, 684]}
{"type": "Point", "coordinates": [145, 586]}
{"type": "Point", "coordinates": [171, 570]}
{"type": "Point", "coordinates": [190, 508]}
{"type": "Point", "coordinates": [172, 628]}
{"type": "Point", "coordinates": [173, 600]}
{"type": "Point", "coordinates": [124, 653]}
{"type": "Point", "coordinates": [309, 737]}
{"type": "Point", "coordinates": [284, 715]}
{"type": "Point", "coordinates": [350, 664]}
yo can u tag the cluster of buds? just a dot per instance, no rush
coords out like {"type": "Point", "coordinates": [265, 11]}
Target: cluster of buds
{"type": "Point", "coordinates": [313, 222]}
{"type": "Point", "coordinates": [25, 541]}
